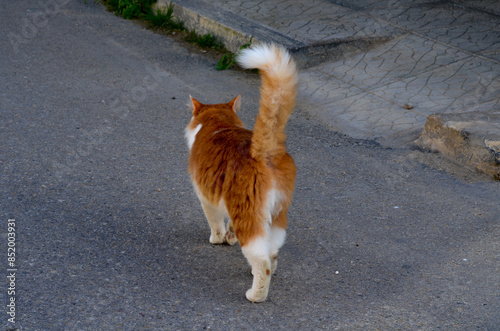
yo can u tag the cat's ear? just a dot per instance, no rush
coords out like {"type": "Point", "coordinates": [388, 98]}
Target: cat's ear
{"type": "Point", "coordinates": [196, 105]}
{"type": "Point", "coordinates": [235, 103]}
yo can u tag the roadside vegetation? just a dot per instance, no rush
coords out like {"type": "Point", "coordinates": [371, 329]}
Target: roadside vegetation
{"type": "Point", "coordinates": [164, 20]}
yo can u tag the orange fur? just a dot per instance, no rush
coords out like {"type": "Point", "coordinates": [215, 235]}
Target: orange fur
{"type": "Point", "coordinates": [244, 175]}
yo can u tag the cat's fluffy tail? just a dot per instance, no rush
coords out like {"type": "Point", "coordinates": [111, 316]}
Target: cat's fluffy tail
{"type": "Point", "coordinates": [277, 101]}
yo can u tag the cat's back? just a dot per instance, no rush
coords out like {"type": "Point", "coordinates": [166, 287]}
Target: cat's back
{"type": "Point", "coordinates": [221, 164]}
{"type": "Point", "coordinates": [224, 143]}
{"type": "Point", "coordinates": [223, 136]}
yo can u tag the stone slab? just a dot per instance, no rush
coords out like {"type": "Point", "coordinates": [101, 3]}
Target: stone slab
{"type": "Point", "coordinates": [309, 22]}
{"type": "Point", "coordinates": [472, 139]}
{"type": "Point", "coordinates": [473, 29]}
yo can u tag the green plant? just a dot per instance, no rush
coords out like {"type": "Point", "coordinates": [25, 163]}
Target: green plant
{"type": "Point", "coordinates": [164, 19]}
{"type": "Point", "coordinates": [208, 41]}
{"type": "Point", "coordinates": [204, 41]}
{"type": "Point", "coordinates": [229, 59]}
{"type": "Point", "coordinates": [111, 5]}
{"type": "Point", "coordinates": [130, 8]}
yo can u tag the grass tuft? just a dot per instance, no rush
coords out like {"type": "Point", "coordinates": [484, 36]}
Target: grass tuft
{"type": "Point", "coordinates": [130, 9]}
{"type": "Point", "coordinates": [164, 19]}
{"type": "Point", "coordinates": [204, 41]}
{"type": "Point", "coordinates": [229, 59]}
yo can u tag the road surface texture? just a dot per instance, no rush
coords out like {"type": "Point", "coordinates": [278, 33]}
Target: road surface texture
{"type": "Point", "coordinates": [109, 234]}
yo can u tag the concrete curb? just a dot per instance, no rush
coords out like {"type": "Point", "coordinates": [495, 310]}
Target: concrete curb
{"type": "Point", "coordinates": [233, 31]}
{"type": "Point", "coordinates": [471, 139]}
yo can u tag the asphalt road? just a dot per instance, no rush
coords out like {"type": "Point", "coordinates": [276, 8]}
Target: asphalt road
{"type": "Point", "coordinates": [109, 234]}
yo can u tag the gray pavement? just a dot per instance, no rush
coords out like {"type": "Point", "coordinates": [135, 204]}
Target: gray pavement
{"type": "Point", "coordinates": [376, 69]}
{"type": "Point", "coordinates": [110, 236]}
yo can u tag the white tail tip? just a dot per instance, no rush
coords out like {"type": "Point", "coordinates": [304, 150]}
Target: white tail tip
{"type": "Point", "coordinates": [265, 57]}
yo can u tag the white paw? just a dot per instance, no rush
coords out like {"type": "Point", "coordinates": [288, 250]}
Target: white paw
{"type": "Point", "coordinates": [231, 238]}
{"type": "Point", "coordinates": [217, 239]}
{"type": "Point", "coordinates": [256, 296]}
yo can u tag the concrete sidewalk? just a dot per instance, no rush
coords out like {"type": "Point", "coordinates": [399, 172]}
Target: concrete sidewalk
{"type": "Point", "coordinates": [377, 69]}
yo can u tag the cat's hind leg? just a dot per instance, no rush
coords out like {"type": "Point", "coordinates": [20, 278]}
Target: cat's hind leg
{"type": "Point", "coordinates": [278, 236]}
{"type": "Point", "coordinates": [215, 218]}
{"type": "Point", "coordinates": [257, 252]}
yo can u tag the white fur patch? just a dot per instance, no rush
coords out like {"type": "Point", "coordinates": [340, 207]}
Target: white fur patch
{"type": "Point", "coordinates": [267, 57]}
{"type": "Point", "coordinates": [278, 236]}
{"type": "Point", "coordinates": [221, 207]}
{"type": "Point", "coordinates": [257, 249]}
{"type": "Point", "coordinates": [274, 198]}
{"type": "Point", "coordinates": [190, 135]}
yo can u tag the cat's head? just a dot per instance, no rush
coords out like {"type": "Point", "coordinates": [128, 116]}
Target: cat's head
{"type": "Point", "coordinates": [212, 117]}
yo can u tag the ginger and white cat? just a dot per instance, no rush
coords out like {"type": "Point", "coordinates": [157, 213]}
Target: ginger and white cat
{"type": "Point", "coordinates": [243, 176]}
